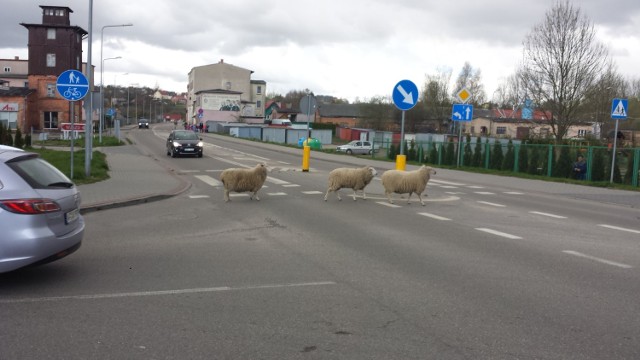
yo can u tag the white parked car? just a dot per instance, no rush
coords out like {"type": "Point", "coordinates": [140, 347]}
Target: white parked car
{"type": "Point", "coordinates": [357, 147]}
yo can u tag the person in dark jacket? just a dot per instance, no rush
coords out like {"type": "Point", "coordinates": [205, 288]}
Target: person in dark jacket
{"type": "Point", "coordinates": [580, 168]}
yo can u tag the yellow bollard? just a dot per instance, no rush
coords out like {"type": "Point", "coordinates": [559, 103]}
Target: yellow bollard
{"type": "Point", "coordinates": [306, 154]}
{"type": "Point", "coordinates": [401, 162]}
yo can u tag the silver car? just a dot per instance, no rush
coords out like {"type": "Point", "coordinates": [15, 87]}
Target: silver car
{"type": "Point", "coordinates": [357, 147]}
{"type": "Point", "coordinates": [40, 217]}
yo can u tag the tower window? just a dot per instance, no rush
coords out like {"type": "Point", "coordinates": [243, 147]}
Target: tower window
{"type": "Point", "coordinates": [51, 60]}
{"type": "Point", "coordinates": [51, 34]}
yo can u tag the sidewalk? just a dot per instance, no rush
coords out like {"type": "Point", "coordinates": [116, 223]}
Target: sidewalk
{"type": "Point", "coordinates": [134, 178]}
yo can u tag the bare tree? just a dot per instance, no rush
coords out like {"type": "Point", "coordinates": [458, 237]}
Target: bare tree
{"type": "Point", "coordinates": [471, 79]}
{"type": "Point", "coordinates": [562, 61]}
{"type": "Point", "coordinates": [436, 100]}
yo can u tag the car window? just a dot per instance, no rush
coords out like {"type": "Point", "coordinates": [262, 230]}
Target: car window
{"type": "Point", "coordinates": [38, 173]}
{"type": "Point", "coordinates": [358, 144]}
{"type": "Point", "coordinates": [366, 143]}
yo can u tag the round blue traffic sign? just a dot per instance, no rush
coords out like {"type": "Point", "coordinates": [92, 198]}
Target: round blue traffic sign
{"type": "Point", "coordinates": [72, 85]}
{"type": "Point", "coordinates": [405, 94]}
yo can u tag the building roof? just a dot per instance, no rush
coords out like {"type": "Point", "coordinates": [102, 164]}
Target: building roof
{"type": "Point", "coordinates": [339, 110]}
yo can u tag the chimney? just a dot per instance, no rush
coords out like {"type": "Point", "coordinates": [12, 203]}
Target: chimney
{"type": "Point", "coordinates": [221, 61]}
{"type": "Point", "coordinates": [16, 58]}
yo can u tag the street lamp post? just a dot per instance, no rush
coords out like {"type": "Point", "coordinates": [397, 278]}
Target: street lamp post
{"type": "Point", "coordinates": [102, 94]}
{"type": "Point", "coordinates": [102, 72]}
{"type": "Point", "coordinates": [129, 101]}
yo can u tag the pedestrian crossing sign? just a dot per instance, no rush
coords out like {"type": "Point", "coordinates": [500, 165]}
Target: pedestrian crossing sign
{"type": "Point", "coordinates": [619, 109]}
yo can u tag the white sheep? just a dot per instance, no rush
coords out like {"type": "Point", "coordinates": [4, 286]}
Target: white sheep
{"type": "Point", "coordinates": [349, 178]}
{"type": "Point", "coordinates": [403, 182]}
{"type": "Point", "coordinates": [242, 180]}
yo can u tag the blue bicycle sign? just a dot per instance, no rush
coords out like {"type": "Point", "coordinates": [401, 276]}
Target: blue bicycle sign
{"type": "Point", "coordinates": [72, 85]}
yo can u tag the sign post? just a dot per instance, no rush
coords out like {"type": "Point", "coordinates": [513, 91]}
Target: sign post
{"type": "Point", "coordinates": [618, 111]}
{"type": "Point", "coordinates": [405, 97]}
{"type": "Point", "coordinates": [73, 86]}
{"type": "Point", "coordinates": [459, 113]}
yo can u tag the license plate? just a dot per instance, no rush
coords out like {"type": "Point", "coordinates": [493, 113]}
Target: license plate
{"type": "Point", "coordinates": [189, 149]}
{"type": "Point", "coordinates": [71, 216]}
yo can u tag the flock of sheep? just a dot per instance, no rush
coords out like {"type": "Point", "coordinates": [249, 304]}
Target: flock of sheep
{"type": "Point", "coordinates": [394, 181]}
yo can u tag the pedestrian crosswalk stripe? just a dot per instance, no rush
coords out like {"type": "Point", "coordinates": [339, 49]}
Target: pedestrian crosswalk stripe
{"type": "Point", "coordinates": [208, 180]}
{"type": "Point", "coordinates": [277, 194]}
{"type": "Point", "coordinates": [276, 181]}
{"type": "Point", "coordinates": [313, 192]}
{"type": "Point", "coordinates": [290, 185]}
{"type": "Point", "coordinates": [198, 196]}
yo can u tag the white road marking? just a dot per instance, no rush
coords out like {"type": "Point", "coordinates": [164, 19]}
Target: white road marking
{"type": "Point", "coordinates": [437, 217]}
{"type": "Point", "coordinates": [163, 292]}
{"type": "Point", "coordinates": [276, 181]}
{"type": "Point", "coordinates": [198, 196]}
{"type": "Point", "coordinates": [387, 204]}
{"type": "Point", "coordinates": [277, 194]}
{"type": "Point", "coordinates": [315, 192]}
{"type": "Point", "coordinates": [604, 261]}
{"type": "Point", "coordinates": [208, 180]}
{"type": "Point", "coordinates": [284, 162]}
{"type": "Point", "coordinates": [619, 228]}
{"type": "Point", "coordinates": [188, 171]}
{"type": "Point", "coordinates": [221, 170]}
{"type": "Point", "coordinates": [484, 193]}
{"type": "Point", "coordinates": [513, 193]}
{"type": "Point", "coordinates": [475, 187]}
{"type": "Point", "coordinates": [492, 204]}
{"type": "Point", "coordinates": [290, 185]}
{"type": "Point", "coordinates": [499, 233]}
{"type": "Point", "coordinates": [547, 214]}
{"type": "Point", "coordinates": [454, 192]}
{"type": "Point", "coordinates": [448, 186]}
{"type": "Point", "coordinates": [238, 195]}
{"type": "Point", "coordinates": [445, 182]}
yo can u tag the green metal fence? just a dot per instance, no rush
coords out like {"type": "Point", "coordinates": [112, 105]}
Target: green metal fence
{"type": "Point", "coordinates": [537, 159]}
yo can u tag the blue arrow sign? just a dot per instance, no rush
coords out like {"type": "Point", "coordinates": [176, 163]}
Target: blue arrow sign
{"type": "Point", "coordinates": [462, 112]}
{"type": "Point", "coordinates": [405, 95]}
{"type": "Point", "coordinates": [619, 108]}
{"type": "Point", "coordinates": [72, 85]}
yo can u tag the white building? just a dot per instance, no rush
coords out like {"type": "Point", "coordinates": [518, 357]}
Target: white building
{"type": "Point", "coordinates": [226, 93]}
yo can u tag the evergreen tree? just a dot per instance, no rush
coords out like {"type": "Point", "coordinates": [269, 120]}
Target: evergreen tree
{"type": "Point", "coordinates": [27, 141]}
{"type": "Point", "coordinates": [628, 176]}
{"type": "Point", "coordinates": [8, 139]}
{"type": "Point", "coordinates": [496, 156]}
{"type": "Point", "coordinates": [544, 159]}
{"type": "Point", "coordinates": [18, 141]}
{"type": "Point", "coordinates": [391, 154]}
{"type": "Point", "coordinates": [433, 154]}
{"type": "Point", "coordinates": [476, 160]}
{"type": "Point", "coordinates": [523, 158]}
{"type": "Point", "coordinates": [411, 151]}
{"type": "Point", "coordinates": [450, 154]}
{"type": "Point", "coordinates": [2, 136]}
{"type": "Point", "coordinates": [564, 165]}
{"type": "Point", "coordinates": [468, 154]}
{"type": "Point", "coordinates": [509, 157]}
{"type": "Point", "coordinates": [535, 161]}
{"type": "Point", "coordinates": [598, 165]}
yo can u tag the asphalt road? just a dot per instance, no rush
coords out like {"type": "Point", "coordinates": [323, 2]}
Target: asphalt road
{"type": "Point", "coordinates": [490, 268]}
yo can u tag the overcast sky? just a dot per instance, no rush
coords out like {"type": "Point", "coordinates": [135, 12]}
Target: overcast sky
{"type": "Point", "coordinates": [348, 48]}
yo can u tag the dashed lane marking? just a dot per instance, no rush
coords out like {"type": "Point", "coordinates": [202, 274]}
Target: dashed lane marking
{"type": "Point", "coordinates": [198, 196]}
{"type": "Point", "coordinates": [547, 214]}
{"type": "Point", "coordinates": [290, 185]}
{"type": "Point", "coordinates": [475, 187]}
{"type": "Point", "coordinates": [433, 216]}
{"type": "Point", "coordinates": [499, 233]}
{"type": "Point", "coordinates": [619, 228]}
{"type": "Point", "coordinates": [208, 180]}
{"type": "Point", "coordinates": [484, 193]}
{"type": "Point", "coordinates": [387, 204]}
{"type": "Point", "coordinates": [600, 260]}
{"type": "Point", "coordinates": [164, 292]}
{"type": "Point", "coordinates": [492, 204]}
{"type": "Point", "coordinates": [513, 193]}
{"type": "Point", "coordinates": [312, 192]}
{"type": "Point", "coordinates": [277, 194]}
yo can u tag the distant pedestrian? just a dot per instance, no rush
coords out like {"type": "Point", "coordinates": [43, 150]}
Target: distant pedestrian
{"type": "Point", "coordinates": [580, 168]}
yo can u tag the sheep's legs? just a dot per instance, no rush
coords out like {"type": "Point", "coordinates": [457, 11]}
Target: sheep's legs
{"type": "Point", "coordinates": [389, 197]}
{"type": "Point", "coordinates": [226, 196]}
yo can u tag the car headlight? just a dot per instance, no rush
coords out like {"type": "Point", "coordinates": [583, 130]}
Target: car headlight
{"type": "Point", "coordinates": [200, 144]}
{"type": "Point", "coordinates": [176, 144]}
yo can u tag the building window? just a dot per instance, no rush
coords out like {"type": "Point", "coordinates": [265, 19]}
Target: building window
{"type": "Point", "coordinates": [48, 12]}
{"type": "Point", "coordinates": [501, 130]}
{"type": "Point", "coordinates": [259, 104]}
{"type": "Point", "coordinates": [59, 12]}
{"type": "Point", "coordinates": [51, 34]}
{"type": "Point", "coordinates": [50, 120]}
{"type": "Point", "coordinates": [51, 90]}
{"type": "Point", "coordinates": [582, 132]}
{"type": "Point", "coordinates": [51, 60]}
{"type": "Point", "coordinates": [7, 69]}
{"type": "Point", "coordinates": [259, 90]}
{"type": "Point", "coordinates": [472, 130]}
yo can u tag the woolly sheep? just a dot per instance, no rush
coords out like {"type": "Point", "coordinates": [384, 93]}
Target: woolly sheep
{"type": "Point", "coordinates": [242, 180]}
{"type": "Point", "coordinates": [350, 178]}
{"type": "Point", "coordinates": [403, 182]}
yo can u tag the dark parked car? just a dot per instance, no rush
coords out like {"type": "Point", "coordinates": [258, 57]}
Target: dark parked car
{"type": "Point", "coordinates": [143, 124]}
{"type": "Point", "coordinates": [40, 217]}
{"type": "Point", "coordinates": [184, 142]}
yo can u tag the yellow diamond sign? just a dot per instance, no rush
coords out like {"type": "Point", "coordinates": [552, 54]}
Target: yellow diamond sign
{"type": "Point", "coordinates": [464, 95]}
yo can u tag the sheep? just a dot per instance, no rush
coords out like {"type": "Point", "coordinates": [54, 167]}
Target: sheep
{"type": "Point", "coordinates": [403, 182]}
{"type": "Point", "coordinates": [349, 178]}
{"type": "Point", "coordinates": [242, 180]}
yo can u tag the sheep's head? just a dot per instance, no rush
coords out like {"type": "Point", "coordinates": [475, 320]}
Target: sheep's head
{"type": "Point", "coordinates": [373, 171]}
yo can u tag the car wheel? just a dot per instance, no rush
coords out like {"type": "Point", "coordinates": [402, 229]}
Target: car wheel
{"type": "Point", "coordinates": [370, 152]}
{"type": "Point", "coordinates": [199, 155]}
{"type": "Point", "coordinates": [349, 151]}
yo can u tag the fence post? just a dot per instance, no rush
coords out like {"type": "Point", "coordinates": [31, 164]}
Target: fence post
{"type": "Point", "coordinates": [486, 152]}
{"type": "Point", "coordinates": [589, 162]}
{"type": "Point", "coordinates": [440, 145]}
{"type": "Point", "coordinates": [550, 160]}
{"type": "Point", "coordinates": [636, 167]}
{"type": "Point", "coordinates": [516, 159]}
